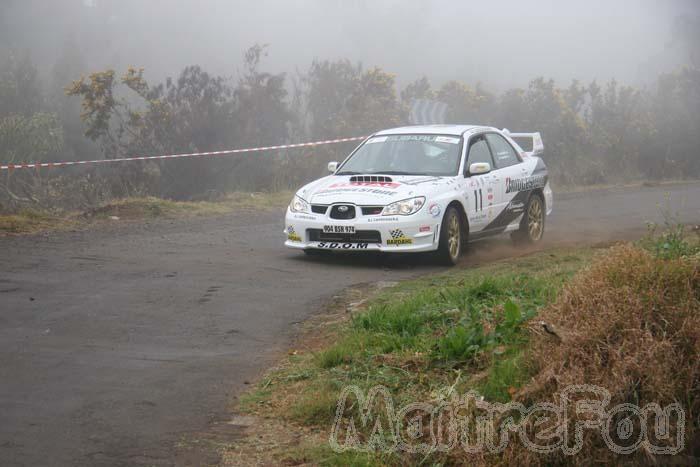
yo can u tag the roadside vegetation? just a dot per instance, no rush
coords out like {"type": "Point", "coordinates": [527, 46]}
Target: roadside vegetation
{"type": "Point", "coordinates": [625, 318]}
{"type": "Point", "coordinates": [594, 133]}
{"type": "Point", "coordinates": [27, 221]}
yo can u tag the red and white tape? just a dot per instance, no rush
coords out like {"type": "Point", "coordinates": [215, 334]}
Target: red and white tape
{"type": "Point", "coordinates": [38, 165]}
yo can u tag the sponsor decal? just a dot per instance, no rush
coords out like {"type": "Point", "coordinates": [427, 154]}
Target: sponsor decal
{"type": "Point", "coordinates": [292, 235]}
{"type": "Point", "coordinates": [447, 139]}
{"type": "Point", "coordinates": [383, 219]}
{"type": "Point", "coordinates": [516, 206]}
{"type": "Point", "coordinates": [424, 228]}
{"type": "Point", "coordinates": [525, 184]}
{"type": "Point", "coordinates": [355, 188]}
{"type": "Point", "coordinates": [478, 200]}
{"type": "Point", "coordinates": [304, 217]}
{"type": "Point", "coordinates": [478, 217]}
{"type": "Point", "coordinates": [342, 246]}
{"type": "Point", "coordinates": [398, 238]}
{"type": "Point", "coordinates": [418, 181]}
{"type": "Point", "coordinates": [434, 209]}
{"type": "Point", "coordinates": [375, 184]}
{"type": "Point", "coordinates": [423, 138]}
{"type": "Point", "coordinates": [376, 139]}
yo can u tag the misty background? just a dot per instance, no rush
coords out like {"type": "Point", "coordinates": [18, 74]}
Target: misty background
{"type": "Point", "coordinates": [613, 86]}
{"type": "Point", "coordinates": [503, 43]}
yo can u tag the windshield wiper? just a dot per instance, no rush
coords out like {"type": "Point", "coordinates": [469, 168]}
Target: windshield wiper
{"type": "Point", "coordinates": [348, 172]}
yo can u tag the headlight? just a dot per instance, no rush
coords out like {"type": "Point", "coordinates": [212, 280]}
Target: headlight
{"type": "Point", "coordinates": [405, 207]}
{"type": "Point", "coordinates": [299, 205]}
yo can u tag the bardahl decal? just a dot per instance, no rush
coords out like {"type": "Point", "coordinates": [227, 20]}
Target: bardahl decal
{"type": "Point", "coordinates": [398, 238]}
{"type": "Point", "coordinates": [399, 241]}
{"type": "Point", "coordinates": [292, 235]}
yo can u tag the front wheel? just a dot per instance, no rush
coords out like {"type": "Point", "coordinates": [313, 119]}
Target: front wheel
{"type": "Point", "coordinates": [532, 224]}
{"type": "Point", "coordinates": [450, 246]}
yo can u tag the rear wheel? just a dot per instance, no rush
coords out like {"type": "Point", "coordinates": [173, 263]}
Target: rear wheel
{"type": "Point", "coordinates": [532, 224]}
{"type": "Point", "coordinates": [450, 246]}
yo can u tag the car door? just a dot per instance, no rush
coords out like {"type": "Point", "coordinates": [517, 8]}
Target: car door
{"type": "Point", "coordinates": [481, 190]}
{"type": "Point", "coordinates": [508, 167]}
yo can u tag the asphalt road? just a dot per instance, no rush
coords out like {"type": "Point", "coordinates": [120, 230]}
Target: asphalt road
{"type": "Point", "coordinates": [118, 341]}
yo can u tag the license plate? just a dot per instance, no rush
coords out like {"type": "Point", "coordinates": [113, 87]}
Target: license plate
{"type": "Point", "coordinates": [342, 229]}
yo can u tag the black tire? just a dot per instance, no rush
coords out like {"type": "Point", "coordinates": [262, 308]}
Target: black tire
{"type": "Point", "coordinates": [451, 237]}
{"type": "Point", "coordinates": [531, 228]}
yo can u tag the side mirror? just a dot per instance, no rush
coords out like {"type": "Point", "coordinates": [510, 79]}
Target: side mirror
{"type": "Point", "coordinates": [479, 168]}
{"type": "Point", "coordinates": [332, 166]}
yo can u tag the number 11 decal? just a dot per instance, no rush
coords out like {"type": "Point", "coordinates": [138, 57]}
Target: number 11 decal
{"type": "Point", "coordinates": [478, 200]}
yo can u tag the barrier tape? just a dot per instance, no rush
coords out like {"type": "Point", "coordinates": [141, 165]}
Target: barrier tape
{"type": "Point", "coordinates": [38, 165]}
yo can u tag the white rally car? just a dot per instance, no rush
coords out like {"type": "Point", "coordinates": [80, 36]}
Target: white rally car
{"type": "Point", "coordinates": [425, 188]}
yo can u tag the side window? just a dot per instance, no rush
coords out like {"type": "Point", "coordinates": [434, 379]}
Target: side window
{"type": "Point", "coordinates": [479, 152]}
{"type": "Point", "coordinates": [503, 152]}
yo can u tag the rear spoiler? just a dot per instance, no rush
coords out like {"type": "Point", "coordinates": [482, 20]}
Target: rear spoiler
{"type": "Point", "coordinates": [537, 144]}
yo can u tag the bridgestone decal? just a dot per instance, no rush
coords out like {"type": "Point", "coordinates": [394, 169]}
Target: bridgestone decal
{"type": "Point", "coordinates": [526, 184]}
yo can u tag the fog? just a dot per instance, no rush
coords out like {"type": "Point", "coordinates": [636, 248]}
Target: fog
{"type": "Point", "coordinates": [501, 44]}
{"type": "Point", "coordinates": [612, 86]}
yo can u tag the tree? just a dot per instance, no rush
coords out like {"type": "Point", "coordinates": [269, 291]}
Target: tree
{"type": "Point", "coordinates": [418, 89]}
{"type": "Point", "coordinates": [374, 105]}
{"type": "Point", "coordinates": [191, 113]}
{"type": "Point", "coordinates": [467, 105]}
{"type": "Point", "coordinates": [330, 86]}
{"type": "Point", "coordinates": [673, 149]}
{"type": "Point", "coordinates": [20, 89]}
{"type": "Point", "coordinates": [261, 117]}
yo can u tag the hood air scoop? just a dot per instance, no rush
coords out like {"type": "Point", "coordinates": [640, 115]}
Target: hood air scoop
{"type": "Point", "coordinates": [370, 179]}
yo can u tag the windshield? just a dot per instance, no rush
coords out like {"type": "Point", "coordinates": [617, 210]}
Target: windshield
{"type": "Point", "coordinates": [406, 155]}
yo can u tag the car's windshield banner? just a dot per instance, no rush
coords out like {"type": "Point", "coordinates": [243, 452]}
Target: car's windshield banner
{"type": "Point", "coordinates": [421, 138]}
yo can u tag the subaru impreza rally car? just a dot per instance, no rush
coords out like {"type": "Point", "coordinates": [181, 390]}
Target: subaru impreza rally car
{"type": "Point", "coordinates": [425, 188]}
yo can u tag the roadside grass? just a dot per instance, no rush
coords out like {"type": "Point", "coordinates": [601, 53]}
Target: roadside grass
{"type": "Point", "coordinates": [151, 207]}
{"type": "Point", "coordinates": [481, 330]}
{"type": "Point", "coordinates": [31, 221]}
{"type": "Point", "coordinates": [462, 330]}
{"type": "Point", "coordinates": [628, 323]}
{"type": "Point", "coordinates": [138, 208]}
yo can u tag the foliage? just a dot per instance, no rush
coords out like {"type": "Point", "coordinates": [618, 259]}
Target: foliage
{"type": "Point", "coordinates": [628, 323]}
{"type": "Point", "coordinates": [424, 340]}
{"type": "Point", "coordinates": [20, 89]}
{"type": "Point", "coordinates": [594, 133]}
{"type": "Point", "coordinates": [671, 240]}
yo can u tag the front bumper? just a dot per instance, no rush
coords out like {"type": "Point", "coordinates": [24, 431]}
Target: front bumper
{"type": "Point", "coordinates": [398, 234]}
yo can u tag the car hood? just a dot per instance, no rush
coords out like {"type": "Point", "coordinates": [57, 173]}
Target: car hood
{"type": "Point", "coordinates": [341, 189]}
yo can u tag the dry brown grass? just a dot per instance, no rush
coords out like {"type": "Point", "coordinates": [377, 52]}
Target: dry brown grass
{"type": "Point", "coordinates": [30, 221]}
{"type": "Point", "coordinates": [629, 323]}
